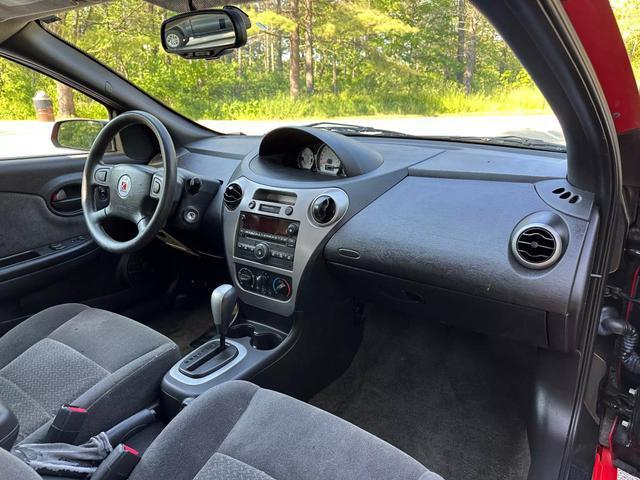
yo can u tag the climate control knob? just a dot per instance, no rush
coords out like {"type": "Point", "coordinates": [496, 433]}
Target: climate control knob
{"type": "Point", "coordinates": [261, 282]}
{"type": "Point", "coordinates": [281, 287]}
{"type": "Point", "coordinates": [261, 251]}
{"type": "Point", "coordinates": [246, 278]}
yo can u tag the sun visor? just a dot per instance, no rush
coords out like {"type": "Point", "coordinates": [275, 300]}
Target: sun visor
{"type": "Point", "coordinates": [183, 5]}
{"type": "Point", "coordinates": [11, 9]}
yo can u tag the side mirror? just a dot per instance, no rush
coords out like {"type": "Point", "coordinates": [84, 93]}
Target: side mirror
{"type": "Point", "coordinates": [77, 134]}
{"type": "Point", "coordinates": [205, 33]}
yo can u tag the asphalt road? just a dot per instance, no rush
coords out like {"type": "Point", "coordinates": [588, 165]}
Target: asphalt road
{"type": "Point", "coordinates": [32, 138]}
{"type": "Point", "coordinates": [542, 127]}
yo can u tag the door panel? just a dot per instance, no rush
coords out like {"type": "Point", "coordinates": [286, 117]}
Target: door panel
{"type": "Point", "coordinates": [32, 213]}
{"type": "Point", "coordinates": [28, 223]}
{"type": "Point", "coordinates": [46, 254]}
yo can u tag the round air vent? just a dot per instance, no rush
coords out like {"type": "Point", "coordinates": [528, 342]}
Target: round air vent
{"type": "Point", "coordinates": [233, 196]}
{"type": "Point", "coordinates": [323, 209]}
{"type": "Point", "coordinates": [536, 245]}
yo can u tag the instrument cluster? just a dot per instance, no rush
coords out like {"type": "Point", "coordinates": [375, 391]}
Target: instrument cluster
{"type": "Point", "coordinates": [320, 158]}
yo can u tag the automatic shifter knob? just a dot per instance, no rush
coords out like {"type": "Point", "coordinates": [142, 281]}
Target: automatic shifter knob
{"type": "Point", "coordinates": [223, 302]}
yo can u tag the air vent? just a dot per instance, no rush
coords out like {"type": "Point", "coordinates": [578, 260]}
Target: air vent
{"type": "Point", "coordinates": [536, 246]}
{"type": "Point", "coordinates": [323, 209]}
{"type": "Point", "coordinates": [567, 195]}
{"type": "Point", "coordinates": [233, 196]}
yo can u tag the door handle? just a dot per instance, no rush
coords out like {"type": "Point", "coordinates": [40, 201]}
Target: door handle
{"type": "Point", "coordinates": [66, 200]}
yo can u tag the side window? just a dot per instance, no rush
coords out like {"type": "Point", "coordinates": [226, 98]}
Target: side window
{"type": "Point", "coordinates": [33, 106]}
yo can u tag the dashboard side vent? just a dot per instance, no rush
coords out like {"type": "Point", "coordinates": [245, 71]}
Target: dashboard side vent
{"type": "Point", "coordinates": [567, 195]}
{"type": "Point", "coordinates": [536, 246]}
{"type": "Point", "coordinates": [233, 196]}
{"type": "Point", "coordinates": [323, 209]}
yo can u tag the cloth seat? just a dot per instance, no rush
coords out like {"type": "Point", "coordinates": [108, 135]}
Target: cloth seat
{"type": "Point", "coordinates": [238, 431]}
{"type": "Point", "coordinates": [91, 358]}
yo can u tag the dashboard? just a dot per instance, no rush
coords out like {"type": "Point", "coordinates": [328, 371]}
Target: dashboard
{"type": "Point", "coordinates": [489, 238]}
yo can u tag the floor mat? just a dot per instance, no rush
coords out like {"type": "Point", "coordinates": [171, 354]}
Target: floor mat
{"type": "Point", "coordinates": [183, 325]}
{"type": "Point", "coordinates": [438, 394]}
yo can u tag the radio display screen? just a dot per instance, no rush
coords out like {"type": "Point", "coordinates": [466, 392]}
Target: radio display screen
{"type": "Point", "coordinates": [261, 223]}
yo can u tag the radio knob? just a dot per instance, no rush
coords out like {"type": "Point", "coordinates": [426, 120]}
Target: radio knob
{"type": "Point", "coordinates": [292, 229]}
{"type": "Point", "coordinates": [281, 287]}
{"type": "Point", "coordinates": [261, 251]}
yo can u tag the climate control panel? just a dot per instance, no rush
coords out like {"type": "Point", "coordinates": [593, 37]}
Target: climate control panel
{"type": "Point", "coordinates": [264, 283]}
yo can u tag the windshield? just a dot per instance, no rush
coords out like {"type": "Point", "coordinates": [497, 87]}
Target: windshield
{"type": "Point", "coordinates": [433, 68]}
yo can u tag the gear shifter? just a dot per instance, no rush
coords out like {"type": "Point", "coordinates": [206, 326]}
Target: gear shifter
{"type": "Point", "coordinates": [216, 353]}
{"type": "Point", "coordinates": [223, 302]}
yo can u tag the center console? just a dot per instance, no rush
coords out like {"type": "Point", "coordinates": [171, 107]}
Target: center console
{"type": "Point", "coordinates": [239, 349]}
{"type": "Point", "coordinates": [270, 236]}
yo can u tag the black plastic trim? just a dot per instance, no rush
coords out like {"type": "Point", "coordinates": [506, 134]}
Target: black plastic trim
{"type": "Point", "coordinates": [47, 257]}
{"type": "Point", "coordinates": [281, 145]}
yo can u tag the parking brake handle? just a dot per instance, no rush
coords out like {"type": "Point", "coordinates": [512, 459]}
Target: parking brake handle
{"type": "Point", "coordinates": [223, 302]}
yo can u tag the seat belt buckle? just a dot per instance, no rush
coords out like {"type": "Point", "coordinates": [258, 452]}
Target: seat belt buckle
{"type": "Point", "coordinates": [118, 465]}
{"type": "Point", "coordinates": [66, 425]}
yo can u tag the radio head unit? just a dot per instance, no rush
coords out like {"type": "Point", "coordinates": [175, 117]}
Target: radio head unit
{"type": "Point", "coordinates": [266, 239]}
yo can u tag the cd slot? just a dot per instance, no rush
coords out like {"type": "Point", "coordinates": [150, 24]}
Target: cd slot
{"type": "Point", "coordinates": [269, 208]}
{"type": "Point", "coordinates": [268, 236]}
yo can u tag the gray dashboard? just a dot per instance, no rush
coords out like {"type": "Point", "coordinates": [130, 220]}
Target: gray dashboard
{"type": "Point", "coordinates": [432, 225]}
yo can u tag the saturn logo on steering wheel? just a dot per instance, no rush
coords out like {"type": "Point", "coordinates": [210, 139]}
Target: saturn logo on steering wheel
{"type": "Point", "coordinates": [124, 185]}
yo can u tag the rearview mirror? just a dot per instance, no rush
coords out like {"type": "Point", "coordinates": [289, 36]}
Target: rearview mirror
{"type": "Point", "coordinates": [205, 33]}
{"type": "Point", "coordinates": [77, 134]}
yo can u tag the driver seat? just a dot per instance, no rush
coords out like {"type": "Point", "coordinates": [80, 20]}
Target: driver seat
{"type": "Point", "coordinates": [73, 354]}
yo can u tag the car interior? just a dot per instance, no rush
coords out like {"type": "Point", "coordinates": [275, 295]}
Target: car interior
{"type": "Point", "coordinates": [319, 302]}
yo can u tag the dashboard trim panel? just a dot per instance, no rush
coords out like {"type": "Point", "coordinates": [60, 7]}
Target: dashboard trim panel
{"type": "Point", "coordinates": [310, 238]}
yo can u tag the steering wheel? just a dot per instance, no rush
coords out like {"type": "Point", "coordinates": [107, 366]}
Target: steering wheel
{"type": "Point", "coordinates": [133, 190]}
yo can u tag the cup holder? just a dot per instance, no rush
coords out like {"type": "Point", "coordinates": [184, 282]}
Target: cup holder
{"type": "Point", "coordinates": [265, 341]}
{"type": "Point", "coordinates": [259, 341]}
{"type": "Point", "coordinates": [241, 330]}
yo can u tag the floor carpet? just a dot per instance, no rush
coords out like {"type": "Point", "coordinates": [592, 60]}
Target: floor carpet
{"type": "Point", "coordinates": [183, 325]}
{"type": "Point", "coordinates": [450, 399]}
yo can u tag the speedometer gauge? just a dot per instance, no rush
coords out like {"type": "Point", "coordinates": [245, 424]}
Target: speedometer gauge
{"type": "Point", "coordinates": [306, 158]}
{"type": "Point", "coordinates": [328, 162]}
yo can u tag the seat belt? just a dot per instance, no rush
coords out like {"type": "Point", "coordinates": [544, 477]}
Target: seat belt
{"type": "Point", "coordinates": [66, 425]}
{"type": "Point", "coordinates": [80, 461]}
{"type": "Point", "coordinates": [118, 465]}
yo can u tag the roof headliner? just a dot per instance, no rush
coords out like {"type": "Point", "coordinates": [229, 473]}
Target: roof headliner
{"type": "Point", "coordinates": [32, 9]}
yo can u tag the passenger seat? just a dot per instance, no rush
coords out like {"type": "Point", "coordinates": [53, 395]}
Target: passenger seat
{"type": "Point", "coordinates": [238, 431]}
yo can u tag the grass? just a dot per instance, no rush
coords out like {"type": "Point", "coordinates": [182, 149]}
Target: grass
{"type": "Point", "coordinates": [428, 102]}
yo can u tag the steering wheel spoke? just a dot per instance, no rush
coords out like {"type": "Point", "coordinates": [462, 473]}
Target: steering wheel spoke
{"type": "Point", "coordinates": [142, 224]}
{"type": "Point", "coordinates": [99, 216]}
